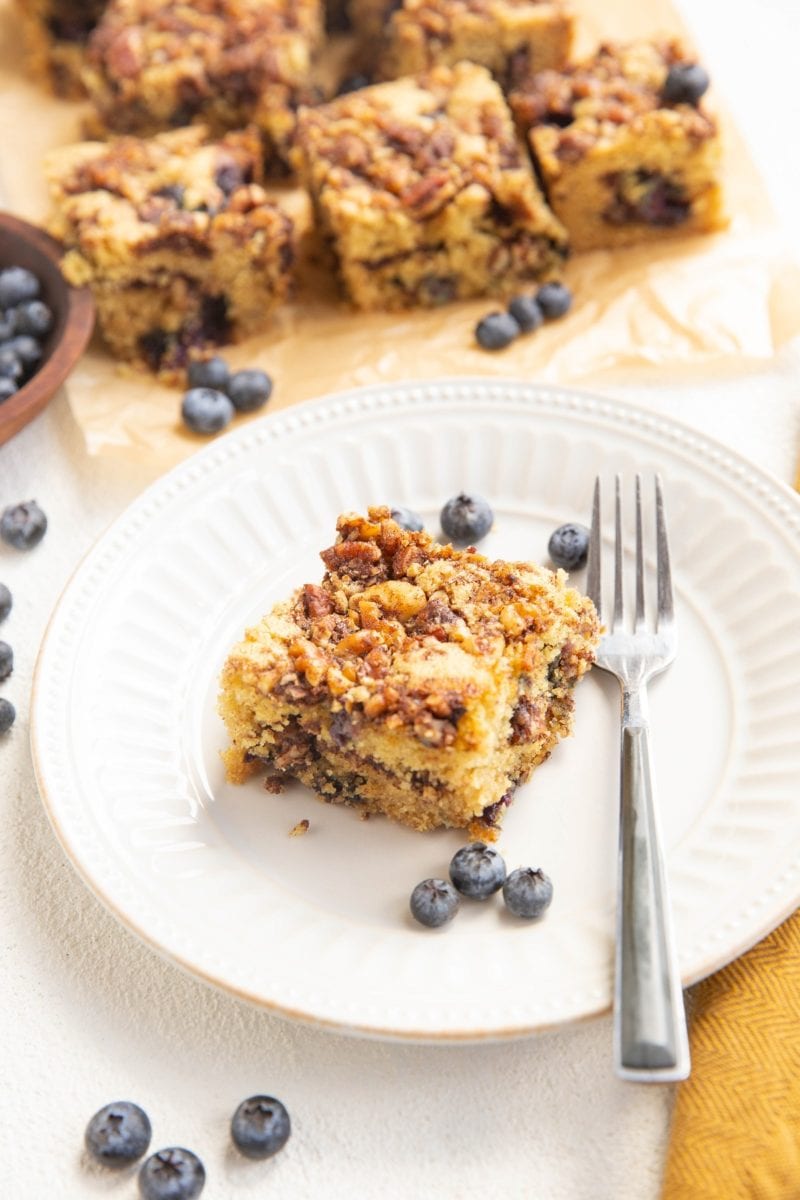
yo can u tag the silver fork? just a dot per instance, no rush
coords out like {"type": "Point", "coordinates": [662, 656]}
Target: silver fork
{"type": "Point", "coordinates": [650, 1039]}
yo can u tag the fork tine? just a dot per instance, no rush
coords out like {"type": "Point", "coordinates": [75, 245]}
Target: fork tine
{"type": "Point", "coordinates": [593, 572]}
{"type": "Point", "coordinates": [638, 621]}
{"type": "Point", "coordinates": [663, 572]}
{"type": "Point", "coordinates": [618, 601]}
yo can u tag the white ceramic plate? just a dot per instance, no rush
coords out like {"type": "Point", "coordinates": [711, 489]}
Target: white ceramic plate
{"type": "Point", "coordinates": [127, 740]}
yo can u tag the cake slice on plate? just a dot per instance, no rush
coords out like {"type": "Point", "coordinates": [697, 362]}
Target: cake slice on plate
{"type": "Point", "coordinates": [416, 680]}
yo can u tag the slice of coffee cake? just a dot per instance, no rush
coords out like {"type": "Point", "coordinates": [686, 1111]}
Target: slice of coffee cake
{"type": "Point", "coordinates": [416, 680]}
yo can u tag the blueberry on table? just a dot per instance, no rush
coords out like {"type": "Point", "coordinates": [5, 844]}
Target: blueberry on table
{"type": "Point", "coordinates": [466, 518]}
{"type": "Point", "coordinates": [209, 373]}
{"type": "Point", "coordinates": [8, 715]}
{"type": "Point", "coordinates": [16, 286]}
{"type": "Point", "coordinates": [6, 601]}
{"type": "Point", "coordinates": [10, 365]}
{"type": "Point", "coordinates": [526, 312]}
{"type": "Point", "coordinates": [23, 525]}
{"type": "Point", "coordinates": [496, 331]}
{"type": "Point", "coordinates": [118, 1134]}
{"type": "Point", "coordinates": [249, 390]}
{"type": "Point", "coordinates": [172, 1174]}
{"type": "Point", "coordinates": [685, 84]}
{"type": "Point", "coordinates": [6, 661]}
{"type": "Point", "coordinates": [206, 410]}
{"type": "Point", "coordinates": [407, 519]}
{"type": "Point", "coordinates": [554, 299]}
{"type": "Point", "coordinates": [260, 1127]}
{"type": "Point", "coordinates": [7, 389]}
{"type": "Point", "coordinates": [33, 318]}
{"type": "Point", "coordinates": [477, 871]}
{"type": "Point", "coordinates": [527, 892]}
{"type": "Point", "coordinates": [569, 546]}
{"type": "Point", "coordinates": [434, 902]}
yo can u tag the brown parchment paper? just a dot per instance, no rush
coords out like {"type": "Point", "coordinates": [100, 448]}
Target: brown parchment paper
{"type": "Point", "coordinates": [683, 308]}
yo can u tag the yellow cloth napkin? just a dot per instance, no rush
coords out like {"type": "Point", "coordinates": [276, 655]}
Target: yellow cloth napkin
{"type": "Point", "coordinates": [736, 1126]}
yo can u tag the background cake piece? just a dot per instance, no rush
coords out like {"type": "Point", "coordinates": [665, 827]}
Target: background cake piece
{"type": "Point", "coordinates": [512, 38]}
{"type": "Point", "coordinates": [56, 33]}
{"type": "Point", "coordinates": [175, 237]}
{"type": "Point", "coordinates": [422, 191]}
{"type": "Point", "coordinates": [416, 680]}
{"type": "Point", "coordinates": [157, 64]}
{"type": "Point", "coordinates": [619, 162]}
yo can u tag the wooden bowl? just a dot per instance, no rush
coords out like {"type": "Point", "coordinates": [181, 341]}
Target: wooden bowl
{"type": "Point", "coordinates": [23, 245]}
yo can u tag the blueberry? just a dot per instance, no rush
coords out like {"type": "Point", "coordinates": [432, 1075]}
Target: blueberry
{"type": "Point", "coordinates": [23, 525]}
{"type": "Point", "coordinates": [6, 661]}
{"type": "Point", "coordinates": [434, 902]}
{"type": "Point", "coordinates": [526, 312]}
{"type": "Point", "coordinates": [7, 389]}
{"type": "Point", "coordinates": [34, 318]}
{"type": "Point", "coordinates": [685, 84]}
{"type": "Point", "coordinates": [477, 870]}
{"type": "Point", "coordinates": [260, 1127]}
{"type": "Point", "coordinates": [205, 410]}
{"type": "Point", "coordinates": [8, 326]}
{"type": "Point", "coordinates": [554, 299]}
{"type": "Point", "coordinates": [16, 286]}
{"type": "Point", "coordinates": [569, 546]}
{"type": "Point", "coordinates": [6, 602]}
{"type": "Point", "coordinates": [209, 373]}
{"type": "Point", "coordinates": [172, 191]}
{"type": "Point", "coordinates": [8, 715]}
{"type": "Point", "coordinates": [249, 390]}
{"type": "Point", "coordinates": [10, 366]}
{"type": "Point", "coordinates": [527, 893]}
{"type": "Point", "coordinates": [353, 83]}
{"type": "Point", "coordinates": [466, 518]}
{"type": "Point", "coordinates": [118, 1134]}
{"type": "Point", "coordinates": [496, 331]}
{"type": "Point", "coordinates": [27, 349]}
{"type": "Point", "coordinates": [172, 1174]}
{"type": "Point", "coordinates": [406, 518]}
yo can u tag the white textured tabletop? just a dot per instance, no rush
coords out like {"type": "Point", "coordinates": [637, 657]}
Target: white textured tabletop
{"type": "Point", "coordinates": [88, 1015]}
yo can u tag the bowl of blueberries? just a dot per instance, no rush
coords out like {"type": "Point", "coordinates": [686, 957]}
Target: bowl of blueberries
{"type": "Point", "coordinates": [45, 324]}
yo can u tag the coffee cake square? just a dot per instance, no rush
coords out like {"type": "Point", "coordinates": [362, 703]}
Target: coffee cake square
{"type": "Point", "coordinates": [416, 680]}
{"type": "Point", "coordinates": [422, 191]}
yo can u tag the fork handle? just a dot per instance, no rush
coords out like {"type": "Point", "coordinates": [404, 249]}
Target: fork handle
{"type": "Point", "coordinates": [650, 1037]}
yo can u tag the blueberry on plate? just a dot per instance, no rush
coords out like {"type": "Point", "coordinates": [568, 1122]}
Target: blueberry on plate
{"type": "Point", "coordinates": [10, 365]}
{"type": "Point", "coordinates": [6, 601]}
{"type": "Point", "coordinates": [16, 286]}
{"type": "Point", "coordinates": [206, 410]}
{"type": "Point", "coordinates": [209, 373]}
{"type": "Point", "coordinates": [7, 389]}
{"type": "Point", "coordinates": [496, 331]}
{"type": "Point", "coordinates": [527, 892]}
{"type": "Point", "coordinates": [23, 525]}
{"type": "Point", "coordinates": [249, 390]}
{"type": "Point", "coordinates": [569, 546]}
{"type": "Point", "coordinates": [8, 715]}
{"type": "Point", "coordinates": [554, 299]}
{"type": "Point", "coordinates": [172, 1174]}
{"type": "Point", "coordinates": [407, 519]}
{"type": "Point", "coordinates": [260, 1127]}
{"type": "Point", "coordinates": [466, 518]}
{"type": "Point", "coordinates": [6, 661]}
{"type": "Point", "coordinates": [33, 318]}
{"type": "Point", "coordinates": [685, 84]}
{"type": "Point", "coordinates": [477, 871]}
{"type": "Point", "coordinates": [118, 1134]}
{"type": "Point", "coordinates": [526, 312]}
{"type": "Point", "coordinates": [434, 902]}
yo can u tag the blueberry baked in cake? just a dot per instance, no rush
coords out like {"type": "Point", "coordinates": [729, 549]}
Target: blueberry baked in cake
{"type": "Point", "coordinates": [56, 34]}
{"type": "Point", "coordinates": [416, 680]}
{"type": "Point", "coordinates": [624, 145]}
